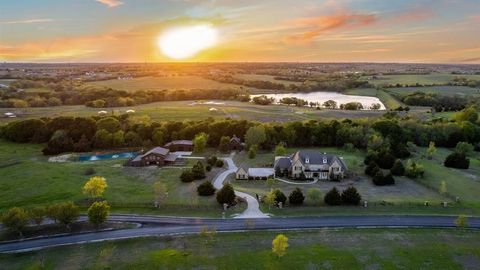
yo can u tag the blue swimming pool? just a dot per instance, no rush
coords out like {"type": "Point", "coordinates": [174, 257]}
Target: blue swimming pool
{"type": "Point", "coordinates": [108, 156]}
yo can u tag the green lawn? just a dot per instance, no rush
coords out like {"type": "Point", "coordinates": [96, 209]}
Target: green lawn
{"type": "Point", "coordinates": [28, 179]}
{"type": "Point", "coordinates": [315, 249]}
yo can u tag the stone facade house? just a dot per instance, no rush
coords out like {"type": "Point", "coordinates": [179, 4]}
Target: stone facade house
{"type": "Point", "coordinates": [309, 164]}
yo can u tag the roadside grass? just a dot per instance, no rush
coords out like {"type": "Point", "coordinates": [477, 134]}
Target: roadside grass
{"type": "Point", "coordinates": [323, 249]}
{"type": "Point", "coordinates": [28, 179]}
{"type": "Point", "coordinates": [164, 83]}
{"type": "Point", "coordinates": [434, 78]}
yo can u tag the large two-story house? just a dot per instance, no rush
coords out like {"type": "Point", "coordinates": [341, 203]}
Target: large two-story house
{"type": "Point", "coordinates": [309, 164]}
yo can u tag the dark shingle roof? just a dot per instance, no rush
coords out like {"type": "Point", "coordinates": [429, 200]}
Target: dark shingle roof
{"type": "Point", "coordinates": [179, 142]}
{"type": "Point", "coordinates": [283, 163]}
{"type": "Point", "coordinates": [315, 157]}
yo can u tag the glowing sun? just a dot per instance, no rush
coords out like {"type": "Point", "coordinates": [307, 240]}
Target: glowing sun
{"type": "Point", "coordinates": [184, 42]}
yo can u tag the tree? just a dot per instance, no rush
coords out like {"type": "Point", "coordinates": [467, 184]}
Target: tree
{"type": "Point", "coordinates": [206, 189]}
{"type": "Point", "coordinates": [314, 196]}
{"type": "Point", "coordinates": [161, 192]}
{"type": "Point", "coordinates": [102, 139]}
{"type": "Point", "coordinates": [224, 145]}
{"type": "Point", "coordinates": [226, 195]}
{"type": "Point", "coordinates": [255, 135]}
{"type": "Point", "coordinates": [372, 169]}
{"type": "Point", "coordinates": [280, 150]}
{"type": "Point", "coordinates": [385, 160]}
{"type": "Point", "coordinates": [83, 145]}
{"type": "Point", "coordinates": [187, 176]}
{"type": "Point", "coordinates": [333, 197]}
{"type": "Point", "coordinates": [468, 114]}
{"type": "Point", "coordinates": [198, 171]}
{"type": "Point", "coordinates": [280, 245]}
{"type": "Point", "coordinates": [219, 163]}
{"type": "Point", "coordinates": [98, 212]}
{"type": "Point", "coordinates": [158, 137]}
{"type": "Point", "coordinates": [37, 214]}
{"type": "Point", "coordinates": [296, 197]}
{"type": "Point", "coordinates": [200, 142]}
{"type": "Point", "coordinates": [110, 124]}
{"type": "Point", "coordinates": [15, 219]}
{"type": "Point", "coordinates": [464, 148]}
{"type": "Point", "coordinates": [270, 198]}
{"type": "Point", "coordinates": [398, 168]}
{"type": "Point", "coordinates": [279, 196]}
{"type": "Point", "coordinates": [95, 187]}
{"type": "Point", "coordinates": [252, 152]}
{"type": "Point", "coordinates": [456, 160]}
{"type": "Point", "coordinates": [461, 221]}
{"type": "Point", "coordinates": [413, 169]}
{"type": "Point", "coordinates": [66, 213]}
{"type": "Point", "coordinates": [330, 104]}
{"type": "Point", "coordinates": [351, 196]}
{"type": "Point", "coordinates": [431, 150]}
{"type": "Point", "coordinates": [378, 178]}
{"type": "Point", "coordinates": [118, 139]}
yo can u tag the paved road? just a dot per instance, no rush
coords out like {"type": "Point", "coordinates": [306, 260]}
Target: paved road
{"type": "Point", "coordinates": [157, 226]}
{"type": "Point", "coordinates": [253, 208]}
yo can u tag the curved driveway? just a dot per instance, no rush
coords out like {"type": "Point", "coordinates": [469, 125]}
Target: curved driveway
{"type": "Point", "coordinates": [158, 226]}
{"type": "Point", "coordinates": [253, 208]}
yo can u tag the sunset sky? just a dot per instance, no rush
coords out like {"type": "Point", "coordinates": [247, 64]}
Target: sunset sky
{"type": "Point", "coordinates": [444, 31]}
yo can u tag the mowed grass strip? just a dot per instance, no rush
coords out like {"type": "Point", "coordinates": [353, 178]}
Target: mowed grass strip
{"type": "Point", "coordinates": [317, 249]}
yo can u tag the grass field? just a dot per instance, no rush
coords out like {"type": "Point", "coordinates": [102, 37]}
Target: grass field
{"type": "Point", "coordinates": [183, 111]}
{"type": "Point", "coordinates": [164, 83]}
{"type": "Point", "coordinates": [434, 78]}
{"type": "Point", "coordinates": [388, 100]}
{"type": "Point", "coordinates": [28, 179]}
{"type": "Point", "coordinates": [441, 90]}
{"type": "Point", "coordinates": [257, 77]}
{"type": "Point", "coordinates": [315, 249]}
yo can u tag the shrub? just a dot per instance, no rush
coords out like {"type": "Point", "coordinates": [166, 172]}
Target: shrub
{"type": "Point", "coordinates": [280, 196]}
{"type": "Point", "coordinates": [65, 213]}
{"type": "Point", "coordinates": [198, 171]}
{"type": "Point", "coordinates": [398, 168]}
{"type": "Point", "coordinates": [252, 152]}
{"type": "Point", "coordinates": [187, 176]}
{"type": "Point", "coordinates": [389, 180]}
{"type": "Point", "coordinates": [219, 163]}
{"type": "Point", "coordinates": [15, 219]}
{"type": "Point", "coordinates": [333, 197]}
{"type": "Point", "coordinates": [385, 160]}
{"type": "Point", "coordinates": [457, 160]}
{"type": "Point", "coordinates": [90, 171]}
{"type": "Point", "coordinates": [98, 212]}
{"type": "Point", "coordinates": [413, 170]}
{"type": "Point", "coordinates": [208, 167]}
{"type": "Point", "coordinates": [212, 160]}
{"type": "Point", "coordinates": [378, 178]}
{"type": "Point", "coordinates": [372, 169]}
{"type": "Point", "coordinates": [314, 196]}
{"type": "Point", "coordinates": [37, 214]}
{"type": "Point", "coordinates": [226, 195]}
{"type": "Point", "coordinates": [206, 189]}
{"type": "Point", "coordinates": [296, 197]}
{"type": "Point", "coordinates": [351, 196]}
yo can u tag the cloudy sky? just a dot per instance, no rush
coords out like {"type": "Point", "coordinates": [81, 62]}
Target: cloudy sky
{"type": "Point", "coordinates": [445, 31]}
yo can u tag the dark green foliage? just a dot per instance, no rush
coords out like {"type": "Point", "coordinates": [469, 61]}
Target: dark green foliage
{"type": "Point", "coordinates": [371, 156]}
{"type": "Point", "coordinates": [333, 197]}
{"type": "Point", "coordinates": [208, 167]}
{"type": "Point", "coordinates": [350, 196]}
{"type": "Point", "coordinates": [226, 195]}
{"type": "Point", "coordinates": [398, 168]}
{"type": "Point", "coordinates": [372, 168]}
{"type": "Point", "coordinates": [457, 160]}
{"type": "Point", "coordinates": [98, 212]}
{"type": "Point", "coordinates": [59, 143]}
{"type": "Point", "coordinates": [224, 145]}
{"type": "Point", "coordinates": [380, 179]}
{"type": "Point", "coordinates": [212, 160]}
{"type": "Point", "coordinates": [83, 145]}
{"type": "Point", "coordinates": [280, 196]}
{"type": "Point", "coordinates": [198, 171]}
{"type": "Point", "coordinates": [90, 171]}
{"type": "Point", "coordinates": [219, 163]}
{"type": "Point", "coordinates": [23, 131]}
{"type": "Point", "coordinates": [187, 176]}
{"type": "Point", "coordinates": [206, 189]}
{"type": "Point", "coordinates": [296, 197]}
{"type": "Point", "coordinates": [385, 160]}
{"type": "Point", "coordinates": [64, 213]}
{"type": "Point", "coordinates": [15, 219]}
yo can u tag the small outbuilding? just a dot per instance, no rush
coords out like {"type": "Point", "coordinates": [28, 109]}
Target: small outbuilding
{"type": "Point", "coordinates": [244, 173]}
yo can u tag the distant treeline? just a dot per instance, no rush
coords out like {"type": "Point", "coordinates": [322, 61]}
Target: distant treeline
{"type": "Point", "coordinates": [438, 102]}
{"type": "Point", "coordinates": [81, 134]}
{"type": "Point", "coordinates": [66, 93]}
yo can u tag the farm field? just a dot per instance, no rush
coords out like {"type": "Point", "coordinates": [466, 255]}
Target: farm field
{"type": "Point", "coordinates": [441, 90]}
{"type": "Point", "coordinates": [183, 111]}
{"type": "Point", "coordinates": [434, 78]}
{"type": "Point", "coordinates": [329, 249]}
{"type": "Point", "coordinates": [24, 167]}
{"type": "Point", "coordinates": [164, 83]}
{"type": "Point", "coordinates": [258, 77]}
{"type": "Point", "coordinates": [387, 99]}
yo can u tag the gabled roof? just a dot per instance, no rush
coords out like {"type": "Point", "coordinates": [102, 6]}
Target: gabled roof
{"type": "Point", "coordinates": [282, 162]}
{"type": "Point", "coordinates": [316, 158]}
{"type": "Point", "coordinates": [235, 139]}
{"type": "Point", "coordinates": [182, 142]}
{"type": "Point", "coordinates": [157, 150]}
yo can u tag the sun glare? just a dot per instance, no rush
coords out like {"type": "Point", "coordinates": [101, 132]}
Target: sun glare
{"type": "Point", "coordinates": [185, 42]}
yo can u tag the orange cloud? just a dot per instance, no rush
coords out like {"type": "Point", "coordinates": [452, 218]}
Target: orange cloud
{"type": "Point", "coordinates": [111, 3]}
{"type": "Point", "coordinates": [317, 26]}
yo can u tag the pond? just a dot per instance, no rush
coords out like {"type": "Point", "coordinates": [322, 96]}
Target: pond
{"type": "Point", "coordinates": [108, 156]}
{"type": "Point", "coordinates": [321, 97]}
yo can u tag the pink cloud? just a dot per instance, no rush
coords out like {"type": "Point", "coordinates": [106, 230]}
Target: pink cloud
{"type": "Point", "coordinates": [111, 3]}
